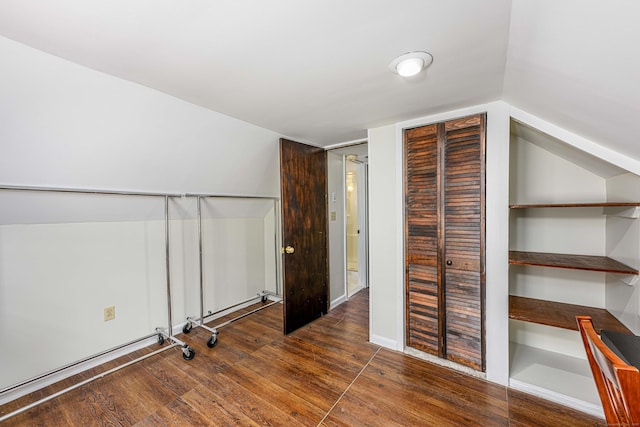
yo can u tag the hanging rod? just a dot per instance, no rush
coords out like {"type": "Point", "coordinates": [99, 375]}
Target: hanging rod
{"type": "Point", "coordinates": [230, 196]}
{"type": "Point", "coordinates": [87, 191]}
{"type": "Point", "coordinates": [130, 193]}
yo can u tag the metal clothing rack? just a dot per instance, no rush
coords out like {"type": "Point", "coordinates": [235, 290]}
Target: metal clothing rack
{"type": "Point", "coordinates": [161, 333]}
{"type": "Point", "coordinates": [263, 296]}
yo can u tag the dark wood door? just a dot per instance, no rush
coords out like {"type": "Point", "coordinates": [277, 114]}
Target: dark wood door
{"type": "Point", "coordinates": [303, 178]}
{"type": "Point", "coordinates": [444, 235]}
{"type": "Point", "coordinates": [463, 239]}
{"type": "Point", "coordinates": [421, 239]}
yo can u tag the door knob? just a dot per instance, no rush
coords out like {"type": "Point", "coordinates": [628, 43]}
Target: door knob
{"type": "Point", "coordinates": [289, 249]}
{"type": "Point", "coordinates": [449, 262]}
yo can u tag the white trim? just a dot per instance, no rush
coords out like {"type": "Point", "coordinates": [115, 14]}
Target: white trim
{"type": "Point", "coordinates": [400, 204]}
{"type": "Point", "coordinates": [345, 271]}
{"type": "Point", "coordinates": [577, 141]}
{"type": "Point", "coordinates": [347, 143]}
{"type": "Point", "coordinates": [383, 342]}
{"type": "Point", "coordinates": [496, 314]}
{"type": "Point", "coordinates": [441, 117]}
{"type": "Point", "coordinates": [444, 362]}
{"type": "Point", "coordinates": [562, 399]}
{"type": "Point", "coordinates": [371, 334]}
{"type": "Point", "coordinates": [336, 302]}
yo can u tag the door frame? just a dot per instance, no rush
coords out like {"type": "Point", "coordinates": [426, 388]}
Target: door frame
{"type": "Point", "coordinates": [343, 150]}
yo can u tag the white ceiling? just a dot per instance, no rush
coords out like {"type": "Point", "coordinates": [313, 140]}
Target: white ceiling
{"type": "Point", "coordinates": [317, 71]}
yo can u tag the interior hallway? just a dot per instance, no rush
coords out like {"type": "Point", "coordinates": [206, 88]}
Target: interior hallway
{"type": "Point", "coordinates": [326, 373]}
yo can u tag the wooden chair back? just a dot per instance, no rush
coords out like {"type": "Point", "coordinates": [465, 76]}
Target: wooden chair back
{"type": "Point", "coordinates": [618, 383]}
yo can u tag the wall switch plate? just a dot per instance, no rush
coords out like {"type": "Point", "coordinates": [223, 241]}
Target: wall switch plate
{"type": "Point", "coordinates": [109, 313]}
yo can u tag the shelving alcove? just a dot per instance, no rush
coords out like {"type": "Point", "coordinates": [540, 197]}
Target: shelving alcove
{"type": "Point", "coordinates": [558, 376]}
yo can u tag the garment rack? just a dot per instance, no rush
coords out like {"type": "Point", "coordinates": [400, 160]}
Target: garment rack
{"type": "Point", "coordinates": [263, 296]}
{"type": "Point", "coordinates": [160, 333]}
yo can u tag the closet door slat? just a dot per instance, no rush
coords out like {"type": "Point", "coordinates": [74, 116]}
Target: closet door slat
{"type": "Point", "coordinates": [421, 239]}
{"type": "Point", "coordinates": [463, 189]}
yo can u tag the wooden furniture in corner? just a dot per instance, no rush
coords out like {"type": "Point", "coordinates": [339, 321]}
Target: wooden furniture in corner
{"type": "Point", "coordinates": [618, 383]}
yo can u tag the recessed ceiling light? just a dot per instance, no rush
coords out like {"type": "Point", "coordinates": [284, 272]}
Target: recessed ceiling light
{"type": "Point", "coordinates": [411, 63]}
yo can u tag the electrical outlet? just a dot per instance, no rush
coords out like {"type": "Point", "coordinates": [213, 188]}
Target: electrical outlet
{"type": "Point", "coordinates": [109, 313]}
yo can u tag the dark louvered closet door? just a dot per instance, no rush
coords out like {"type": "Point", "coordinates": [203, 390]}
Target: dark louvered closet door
{"type": "Point", "coordinates": [444, 235]}
{"type": "Point", "coordinates": [464, 240]}
{"type": "Point", "coordinates": [421, 237]}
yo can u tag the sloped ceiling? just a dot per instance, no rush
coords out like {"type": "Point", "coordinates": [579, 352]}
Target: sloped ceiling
{"type": "Point", "coordinates": [576, 63]}
{"type": "Point", "coordinates": [316, 71]}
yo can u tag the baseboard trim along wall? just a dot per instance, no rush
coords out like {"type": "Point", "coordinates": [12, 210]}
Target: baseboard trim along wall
{"type": "Point", "coordinates": [384, 342]}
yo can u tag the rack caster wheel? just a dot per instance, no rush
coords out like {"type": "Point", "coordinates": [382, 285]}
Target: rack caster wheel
{"type": "Point", "coordinates": [264, 298]}
{"type": "Point", "coordinates": [160, 339]}
{"type": "Point", "coordinates": [187, 328]}
{"type": "Point", "coordinates": [212, 341]}
{"type": "Point", "coordinates": [189, 354]}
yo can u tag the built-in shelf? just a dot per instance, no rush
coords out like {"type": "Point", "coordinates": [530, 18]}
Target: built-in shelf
{"type": "Point", "coordinates": [577, 205]}
{"type": "Point", "coordinates": [559, 377]}
{"type": "Point", "coordinates": [575, 262]}
{"type": "Point", "coordinates": [561, 315]}
{"type": "Point", "coordinates": [621, 209]}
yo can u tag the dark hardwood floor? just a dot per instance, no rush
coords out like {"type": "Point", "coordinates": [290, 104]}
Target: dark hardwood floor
{"type": "Point", "coordinates": [326, 374]}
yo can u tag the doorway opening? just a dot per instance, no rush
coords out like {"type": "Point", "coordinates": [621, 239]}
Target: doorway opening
{"type": "Point", "coordinates": [356, 223]}
{"type": "Point", "coordinates": [348, 221]}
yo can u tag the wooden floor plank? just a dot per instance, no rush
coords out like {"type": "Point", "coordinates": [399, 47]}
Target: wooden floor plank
{"type": "Point", "coordinates": [524, 411]}
{"type": "Point", "coordinates": [277, 395]}
{"type": "Point", "coordinates": [326, 372]}
{"type": "Point", "coordinates": [248, 403]}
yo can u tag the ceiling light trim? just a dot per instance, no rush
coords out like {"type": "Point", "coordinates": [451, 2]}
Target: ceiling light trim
{"type": "Point", "coordinates": [411, 63]}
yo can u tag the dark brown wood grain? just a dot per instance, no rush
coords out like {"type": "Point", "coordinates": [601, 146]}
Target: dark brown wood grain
{"type": "Point", "coordinates": [421, 239]}
{"type": "Point", "coordinates": [569, 261]}
{"type": "Point", "coordinates": [444, 236]}
{"type": "Point", "coordinates": [575, 205]}
{"type": "Point", "coordinates": [561, 315]}
{"type": "Point", "coordinates": [325, 373]}
{"type": "Point", "coordinates": [303, 175]}
{"type": "Point", "coordinates": [464, 234]}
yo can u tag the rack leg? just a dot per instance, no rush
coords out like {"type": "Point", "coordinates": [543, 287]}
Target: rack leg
{"type": "Point", "coordinates": [187, 352]}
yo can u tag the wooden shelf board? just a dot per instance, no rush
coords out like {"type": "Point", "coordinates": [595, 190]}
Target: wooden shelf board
{"type": "Point", "coordinates": [576, 205]}
{"type": "Point", "coordinates": [561, 315]}
{"type": "Point", "coordinates": [574, 262]}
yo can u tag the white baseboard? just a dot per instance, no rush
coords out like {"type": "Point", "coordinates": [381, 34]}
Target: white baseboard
{"type": "Point", "coordinates": [336, 302]}
{"type": "Point", "coordinates": [580, 405]}
{"type": "Point", "coordinates": [384, 342]}
{"type": "Point", "coordinates": [444, 362]}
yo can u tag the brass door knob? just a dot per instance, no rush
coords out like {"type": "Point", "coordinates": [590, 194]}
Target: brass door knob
{"type": "Point", "coordinates": [289, 249]}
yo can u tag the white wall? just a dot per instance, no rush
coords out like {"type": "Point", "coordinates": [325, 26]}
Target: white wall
{"type": "Point", "coordinates": [540, 176]}
{"type": "Point", "coordinates": [623, 244]}
{"type": "Point", "coordinates": [64, 125]}
{"type": "Point", "coordinates": [383, 223]}
{"type": "Point", "coordinates": [386, 234]}
{"type": "Point", "coordinates": [55, 280]}
{"type": "Point", "coordinates": [335, 184]}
